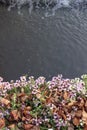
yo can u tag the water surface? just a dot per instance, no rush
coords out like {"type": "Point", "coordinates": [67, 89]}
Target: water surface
{"type": "Point", "coordinates": [43, 46]}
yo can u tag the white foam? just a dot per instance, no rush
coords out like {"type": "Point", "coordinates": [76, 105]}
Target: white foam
{"type": "Point", "coordinates": [58, 3]}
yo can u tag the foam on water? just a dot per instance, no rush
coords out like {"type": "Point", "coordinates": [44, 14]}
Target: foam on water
{"type": "Point", "coordinates": [47, 3]}
{"type": "Point", "coordinates": [54, 4]}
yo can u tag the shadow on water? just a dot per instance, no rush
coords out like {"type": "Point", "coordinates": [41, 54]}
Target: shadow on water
{"type": "Point", "coordinates": [36, 45]}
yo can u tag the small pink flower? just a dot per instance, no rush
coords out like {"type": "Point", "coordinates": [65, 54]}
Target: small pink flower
{"type": "Point", "coordinates": [1, 79]}
{"type": "Point", "coordinates": [23, 78]}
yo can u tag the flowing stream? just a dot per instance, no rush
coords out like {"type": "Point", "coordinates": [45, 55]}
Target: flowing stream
{"type": "Point", "coordinates": [39, 44]}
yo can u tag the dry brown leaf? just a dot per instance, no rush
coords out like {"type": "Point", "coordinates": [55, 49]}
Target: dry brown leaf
{"type": "Point", "coordinates": [38, 95]}
{"type": "Point", "coordinates": [1, 87]}
{"type": "Point", "coordinates": [28, 108]}
{"type": "Point", "coordinates": [2, 123]}
{"type": "Point", "coordinates": [84, 117]}
{"type": "Point", "coordinates": [76, 121]}
{"type": "Point", "coordinates": [81, 103]}
{"type": "Point", "coordinates": [14, 114]}
{"type": "Point", "coordinates": [56, 99]}
{"type": "Point", "coordinates": [35, 128]}
{"type": "Point", "coordinates": [61, 113]}
{"type": "Point", "coordinates": [27, 126]}
{"type": "Point", "coordinates": [71, 103]}
{"type": "Point", "coordinates": [21, 94]}
{"type": "Point", "coordinates": [26, 114]}
{"type": "Point", "coordinates": [30, 96]}
{"type": "Point", "coordinates": [49, 100]}
{"type": "Point", "coordinates": [66, 95]}
{"type": "Point", "coordinates": [59, 93]}
{"type": "Point", "coordinates": [5, 101]}
{"type": "Point", "coordinates": [86, 106]}
{"type": "Point", "coordinates": [64, 116]}
{"type": "Point", "coordinates": [85, 127]}
{"type": "Point", "coordinates": [78, 113]}
{"type": "Point", "coordinates": [70, 128]}
{"type": "Point", "coordinates": [12, 126]}
{"type": "Point", "coordinates": [86, 103]}
{"type": "Point", "coordinates": [23, 118]}
{"type": "Point", "coordinates": [23, 97]}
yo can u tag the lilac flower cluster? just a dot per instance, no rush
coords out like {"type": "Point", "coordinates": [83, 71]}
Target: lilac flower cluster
{"type": "Point", "coordinates": [68, 90]}
{"type": "Point", "coordinates": [74, 86]}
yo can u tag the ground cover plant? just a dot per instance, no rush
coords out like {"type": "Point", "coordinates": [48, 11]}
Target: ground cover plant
{"type": "Point", "coordinates": [29, 104]}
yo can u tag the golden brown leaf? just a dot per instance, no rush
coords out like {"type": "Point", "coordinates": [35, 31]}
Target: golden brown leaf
{"type": "Point", "coordinates": [86, 106]}
{"type": "Point", "coordinates": [27, 126]}
{"type": "Point", "coordinates": [84, 117]}
{"type": "Point", "coordinates": [64, 116]}
{"type": "Point", "coordinates": [21, 94]}
{"type": "Point", "coordinates": [76, 121]}
{"type": "Point", "coordinates": [23, 118]}
{"type": "Point", "coordinates": [2, 123]}
{"type": "Point", "coordinates": [70, 128]}
{"type": "Point", "coordinates": [61, 113]}
{"type": "Point", "coordinates": [38, 95]}
{"type": "Point", "coordinates": [12, 126]}
{"type": "Point", "coordinates": [78, 113]}
{"type": "Point", "coordinates": [71, 103]}
{"type": "Point", "coordinates": [85, 127]}
{"type": "Point", "coordinates": [5, 101]}
{"type": "Point", "coordinates": [66, 95]}
{"type": "Point", "coordinates": [27, 114]}
{"type": "Point", "coordinates": [35, 128]}
{"type": "Point", "coordinates": [1, 87]}
{"type": "Point", "coordinates": [28, 108]}
{"type": "Point", "coordinates": [49, 100]}
{"type": "Point", "coordinates": [81, 103]}
{"type": "Point", "coordinates": [14, 114]}
{"type": "Point", "coordinates": [23, 97]}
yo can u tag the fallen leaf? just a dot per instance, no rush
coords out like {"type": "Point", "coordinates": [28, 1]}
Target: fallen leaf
{"type": "Point", "coordinates": [12, 126]}
{"type": "Point", "coordinates": [1, 87]}
{"type": "Point", "coordinates": [38, 95]}
{"type": "Point", "coordinates": [86, 106]}
{"type": "Point", "coordinates": [14, 114]}
{"type": "Point", "coordinates": [2, 123]}
{"type": "Point", "coordinates": [26, 114]}
{"type": "Point", "coordinates": [61, 113]}
{"type": "Point", "coordinates": [64, 116]}
{"type": "Point", "coordinates": [35, 128]}
{"type": "Point", "coordinates": [23, 97]}
{"type": "Point", "coordinates": [81, 103]}
{"type": "Point", "coordinates": [70, 128]}
{"type": "Point", "coordinates": [78, 113]}
{"type": "Point", "coordinates": [5, 101]}
{"type": "Point", "coordinates": [23, 118]}
{"type": "Point", "coordinates": [21, 94]}
{"type": "Point", "coordinates": [66, 95]}
{"type": "Point", "coordinates": [76, 121]}
{"type": "Point", "coordinates": [49, 100]}
{"type": "Point", "coordinates": [28, 108]}
{"type": "Point", "coordinates": [85, 127]}
{"type": "Point", "coordinates": [70, 104]}
{"type": "Point", "coordinates": [27, 126]}
{"type": "Point", "coordinates": [84, 117]}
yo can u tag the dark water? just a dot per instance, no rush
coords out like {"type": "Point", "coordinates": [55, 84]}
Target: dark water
{"type": "Point", "coordinates": [39, 46]}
